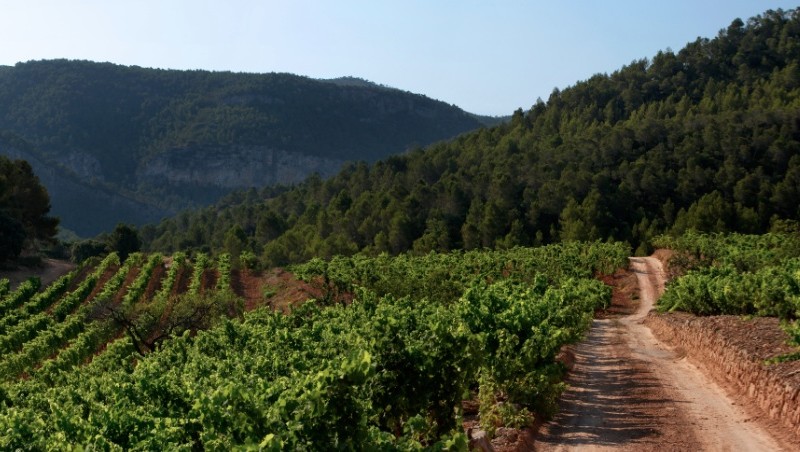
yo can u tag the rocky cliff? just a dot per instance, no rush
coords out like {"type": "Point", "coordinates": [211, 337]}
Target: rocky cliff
{"type": "Point", "coordinates": [128, 144]}
{"type": "Point", "coordinates": [74, 198]}
{"type": "Point", "coordinates": [76, 182]}
{"type": "Point", "coordinates": [232, 167]}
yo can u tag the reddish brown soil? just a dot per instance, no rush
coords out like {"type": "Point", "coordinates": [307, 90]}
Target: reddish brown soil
{"type": "Point", "coordinates": [733, 351]}
{"type": "Point", "coordinates": [628, 391]}
{"type": "Point", "coordinates": [275, 288]}
{"type": "Point", "coordinates": [181, 281]}
{"type": "Point", "coordinates": [155, 281]}
{"type": "Point", "coordinates": [101, 282]}
{"type": "Point", "coordinates": [209, 280]}
{"type": "Point", "coordinates": [78, 279]}
{"type": "Point", "coordinates": [760, 338]}
{"type": "Point", "coordinates": [129, 278]}
{"type": "Point", "coordinates": [248, 285]}
{"type": "Point", "coordinates": [97, 287]}
{"type": "Point", "coordinates": [625, 292]}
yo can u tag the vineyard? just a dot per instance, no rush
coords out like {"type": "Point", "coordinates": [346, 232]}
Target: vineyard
{"type": "Point", "coordinates": [755, 275]}
{"type": "Point", "coordinates": [45, 333]}
{"type": "Point", "coordinates": [156, 352]}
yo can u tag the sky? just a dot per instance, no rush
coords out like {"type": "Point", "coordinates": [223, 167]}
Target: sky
{"type": "Point", "coordinates": [488, 57]}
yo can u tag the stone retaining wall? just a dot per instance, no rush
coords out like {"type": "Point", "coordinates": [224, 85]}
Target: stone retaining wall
{"type": "Point", "coordinates": [715, 345]}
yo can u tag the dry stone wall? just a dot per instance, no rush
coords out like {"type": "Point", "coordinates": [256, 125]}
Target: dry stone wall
{"type": "Point", "coordinates": [733, 351]}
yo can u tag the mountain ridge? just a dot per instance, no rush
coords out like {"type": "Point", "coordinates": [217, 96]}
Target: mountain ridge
{"type": "Point", "coordinates": [119, 127]}
{"type": "Point", "coordinates": [706, 138]}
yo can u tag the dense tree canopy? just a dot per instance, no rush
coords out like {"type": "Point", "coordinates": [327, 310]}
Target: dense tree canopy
{"type": "Point", "coordinates": [124, 241]}
{"type": "Point", "coordinates": [706, 138]}
{"type": "Point", "coordinates": [24, 205]}
{"type": "Point", "coordinates": [122, 114]}
{"type": "Point", "coordinates": [129, 133]}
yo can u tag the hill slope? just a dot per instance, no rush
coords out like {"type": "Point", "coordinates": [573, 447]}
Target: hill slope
{"type": "Point", "coordinates": [153, 141]}
{"type": "Point", "coordinates": [705, 138]}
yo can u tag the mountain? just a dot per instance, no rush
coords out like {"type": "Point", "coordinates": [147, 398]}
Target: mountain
{"type": "Point", "coordinates": [707, 138]}
{"type": "Point", "coordinates": [130, 144]}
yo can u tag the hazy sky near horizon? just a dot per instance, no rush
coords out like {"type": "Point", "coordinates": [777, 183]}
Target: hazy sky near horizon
{"type": "Point", "coordinates": [488, 57]}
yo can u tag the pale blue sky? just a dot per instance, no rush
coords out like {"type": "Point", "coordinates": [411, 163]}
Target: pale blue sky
{"type": "Point", "coordinates": [488, 57]}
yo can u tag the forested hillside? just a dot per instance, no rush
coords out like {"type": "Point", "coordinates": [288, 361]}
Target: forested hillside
{"type": "Point", "coordinates": [374, 337]}
{"type": "Point", "coordinates": [704, 138]}
{"type": "Point", "coordinates": [132, 144]}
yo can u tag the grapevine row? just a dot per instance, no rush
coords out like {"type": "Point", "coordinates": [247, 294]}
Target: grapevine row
{"type": "Point", "coordinates": [15, 299]}
{"type": "Point", "coordinates": [83, 346]}
{"type": "Point", "coordinates": [5, 287]}
{"type": "Point", "coordinates": [178, 262]}
{"type": "Point", "coordinates": [445, 276]}
{"type": "Point", "coordinates": [100, 332]}
{"type": "Point", "coordinates": [744, 252]}
{"type": "Point", "coordinates": [386, 371]}
{"type": "Point", "coordinates": [42, 346]}
{"type": "Point", "coordinates": [27, 330]}
{"type": "Point", "coordinates": [37, 303]}
{"type": "Point", "coordinates": [200, 263]}
{"type": "Point", "coordinates": [29, 326]}
{"type": "Point", "coordinates": [224, 270]}
{"type": "Point", "coordinates": [56, 336]}
{"type": "Point", "coordinates": [139, 285]}
{"type": "Point", "coordinates": [736, 274]}
{"type": "Point", "coordinates": [74, 299]}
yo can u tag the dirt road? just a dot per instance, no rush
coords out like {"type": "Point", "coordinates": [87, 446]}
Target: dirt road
{"type": "Point", "coordinates": [628, 391]}
{"type": "Point", "coordinates": [50, 271]}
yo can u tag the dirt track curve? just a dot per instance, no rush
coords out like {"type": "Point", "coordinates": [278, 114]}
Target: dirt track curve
{"type": "Point", "coordinates": [628, 391]}
{"type": "Point", "coordinates": [50, 271]}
